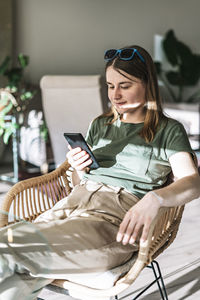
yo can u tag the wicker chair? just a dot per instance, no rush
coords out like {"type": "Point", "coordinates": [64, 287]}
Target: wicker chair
{"type": "Point", "coordinates": [41, 193]}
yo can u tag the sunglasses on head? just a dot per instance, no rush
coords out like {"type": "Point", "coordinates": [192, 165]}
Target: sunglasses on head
{"type": "Point", "coordinates": [124, 54]}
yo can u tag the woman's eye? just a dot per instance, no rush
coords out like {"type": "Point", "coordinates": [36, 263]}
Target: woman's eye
{"type": "Point", "coordinates": [124, 87]}
{"type": "Point", "coordinates": [110, 87]}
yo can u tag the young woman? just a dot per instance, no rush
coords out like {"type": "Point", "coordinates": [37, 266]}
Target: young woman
{"type": "Point", "coordinates": [136, 145]}
{"type": "Point", "coordinates": [110, 208]}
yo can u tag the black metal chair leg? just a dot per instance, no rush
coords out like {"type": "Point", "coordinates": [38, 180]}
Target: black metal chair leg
{"type": "Point", "coordinates": [158, 277]}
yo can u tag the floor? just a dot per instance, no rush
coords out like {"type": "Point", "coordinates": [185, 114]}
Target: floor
{"type": "Point", "coordinates": [180, 263]}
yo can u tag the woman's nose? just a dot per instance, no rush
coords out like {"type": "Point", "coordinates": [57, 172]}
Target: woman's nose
{"type": "Point", "coordinates": [117, 93]}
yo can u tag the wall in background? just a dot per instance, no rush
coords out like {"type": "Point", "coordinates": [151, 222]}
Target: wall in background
{"type": "Point", "coordinates": [5, 48]}
{"type": "Point", "coordinates": [5, 31]}
{"type": "Point", "coordinates": [70, 36]}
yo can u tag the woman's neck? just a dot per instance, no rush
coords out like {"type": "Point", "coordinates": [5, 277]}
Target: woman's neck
{"type": "Point", "coordinates": [133, 117]}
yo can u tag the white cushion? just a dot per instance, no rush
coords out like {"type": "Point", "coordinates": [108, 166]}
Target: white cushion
{"type": "Point", "coordinates": [100, 280]}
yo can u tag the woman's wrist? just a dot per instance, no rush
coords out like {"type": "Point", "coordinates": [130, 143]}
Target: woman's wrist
{"type": "Point", "coordinates": [157, 197]}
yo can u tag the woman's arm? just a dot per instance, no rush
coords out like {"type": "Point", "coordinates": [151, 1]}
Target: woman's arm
{"type": "Point", "coordinates": [184, 189]}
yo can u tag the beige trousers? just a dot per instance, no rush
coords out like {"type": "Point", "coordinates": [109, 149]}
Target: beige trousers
{"type": "Point", "coordinates": [77, 235]}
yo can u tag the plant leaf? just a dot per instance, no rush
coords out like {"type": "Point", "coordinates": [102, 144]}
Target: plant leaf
{"type": "Point", "coordinates": [27, 95]}
{"type": "Point", "coordinates": [6, 109]}
{"type": "Point", "coordinates": [7, 134]}
{"type": "Point", "coordinates": [174, 78]}
{"type": "Point", "coordinates": [158, 67]}
{"type": "Point", "coordinates": [190, 71]}
{"type": "Point", "coordinates": [170, 47]}
{"type": "Point", "coordinates": [23, 60]}
{"type": "Point", "coordinates": [14, 76]}
{"type": "Point", "coordinates": [4, 65]}
{"type": "Point", "coordinates": [184, 53]}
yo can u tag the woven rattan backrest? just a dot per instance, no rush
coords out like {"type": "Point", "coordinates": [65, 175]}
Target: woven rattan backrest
{"type": "Point", "coordinates": [169, 222]}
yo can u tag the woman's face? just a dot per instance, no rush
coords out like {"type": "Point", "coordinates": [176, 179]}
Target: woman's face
{"type": "Point", "coordinates": [126, 92]}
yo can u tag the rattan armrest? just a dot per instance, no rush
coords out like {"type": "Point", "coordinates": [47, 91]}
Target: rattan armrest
{"type": "Point", "coordinates": [36, 194]}
{"type": "Point", "coordinates": [162, 232]}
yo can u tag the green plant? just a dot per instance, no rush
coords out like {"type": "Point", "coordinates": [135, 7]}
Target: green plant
{"type": "Point", "coordinates": [15, 97]}
{"type": "Point", "coordinates": [185, 68]}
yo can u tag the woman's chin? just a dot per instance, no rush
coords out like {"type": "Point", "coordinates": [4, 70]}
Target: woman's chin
{"type": "Point", "coordinates": [120, 110]}
{"type": "Point", "coordinates": [123, 110]}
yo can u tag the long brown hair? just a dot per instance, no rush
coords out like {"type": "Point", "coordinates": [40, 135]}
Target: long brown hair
{"type": "Point", "coordinates": [146, 72]}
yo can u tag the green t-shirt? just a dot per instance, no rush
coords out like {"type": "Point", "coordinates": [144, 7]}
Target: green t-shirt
{"type": "Point", "coordinates": [127, 161]}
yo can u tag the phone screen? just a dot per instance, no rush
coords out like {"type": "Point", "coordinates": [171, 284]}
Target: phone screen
{"type": "Point", "coordinates": [77, 140]}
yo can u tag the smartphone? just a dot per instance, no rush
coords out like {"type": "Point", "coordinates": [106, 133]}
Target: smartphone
{"type": "Point", "coordinates": [77, 140]}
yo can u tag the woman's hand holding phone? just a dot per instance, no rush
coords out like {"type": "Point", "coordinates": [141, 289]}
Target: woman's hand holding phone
{"type": "Point", "coordinates": [79, 159]}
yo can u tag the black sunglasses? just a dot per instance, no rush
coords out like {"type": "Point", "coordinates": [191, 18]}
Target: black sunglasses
{"type": "Point", "coordinates": [124, 54]}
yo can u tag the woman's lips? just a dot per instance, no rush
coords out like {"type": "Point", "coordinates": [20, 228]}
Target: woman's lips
{"type": "Point", "coordinates": [119, 104]}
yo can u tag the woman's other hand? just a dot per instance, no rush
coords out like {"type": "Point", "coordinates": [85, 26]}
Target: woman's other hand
{"type": "Point", "coordinates": [138, 220]}
{"type": "Point", "coordinates": [78, 159]}
{"type": "Point", "coordinates": [186, 188]}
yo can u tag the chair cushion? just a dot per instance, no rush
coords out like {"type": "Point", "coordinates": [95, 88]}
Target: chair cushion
{"type": "Point", "coordinates": [100, 280]}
